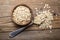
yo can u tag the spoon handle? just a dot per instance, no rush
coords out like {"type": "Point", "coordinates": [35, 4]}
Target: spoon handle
{"type": "Point", "coordinates": [16, 32]}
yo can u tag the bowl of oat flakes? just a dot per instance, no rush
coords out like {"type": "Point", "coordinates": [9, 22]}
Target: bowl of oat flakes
{"type": "Point", "coordinates": [22, 15]}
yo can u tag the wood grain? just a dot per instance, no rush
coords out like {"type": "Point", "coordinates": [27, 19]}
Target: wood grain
{"type": "Point", "coordinates": [34, 32]}
{"type": "Point", "coordinates": [33, 35]}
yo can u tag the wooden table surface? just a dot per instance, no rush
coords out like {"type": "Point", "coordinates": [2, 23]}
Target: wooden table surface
{"type": "Point", "coordinates": [32, 33]}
